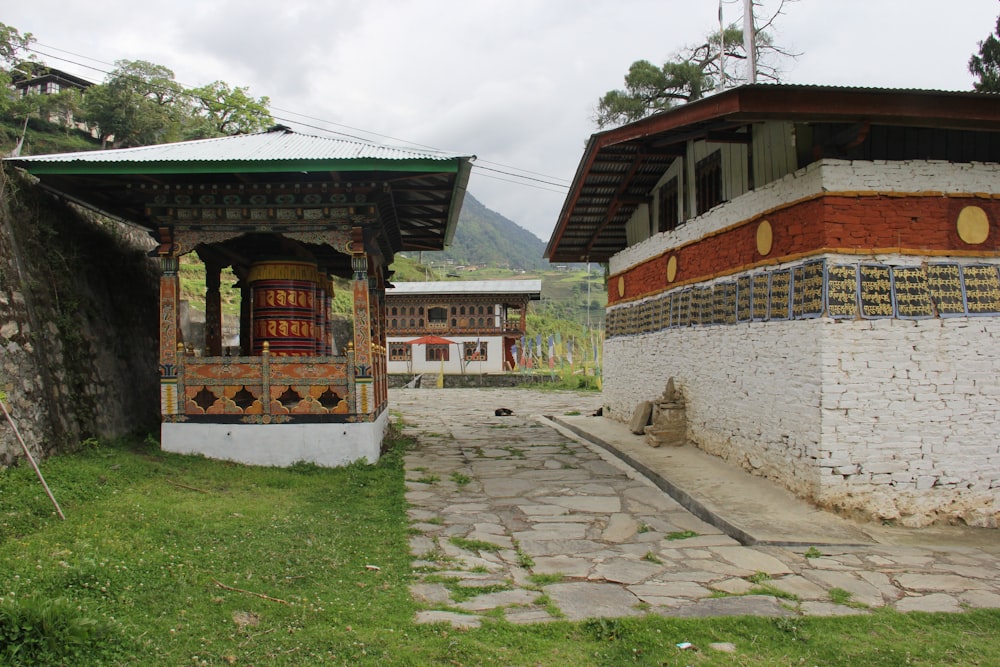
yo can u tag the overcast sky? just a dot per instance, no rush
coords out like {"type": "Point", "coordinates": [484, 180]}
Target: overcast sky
{"type": "Point", "coordinates": [514, 82]}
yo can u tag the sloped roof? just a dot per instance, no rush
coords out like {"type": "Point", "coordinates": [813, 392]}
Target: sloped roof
{"type": "Point", "coordinates": [620, 166]}
{"type": "Point", "coordinates": [423, 191]}
{"type": "Point", "coordinates": [278, 149]}
{"type": "Point", "coordinates": [531, 288]}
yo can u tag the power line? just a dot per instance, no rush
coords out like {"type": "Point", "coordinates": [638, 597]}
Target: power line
{"type": "Point", "coordinates": [528, 180]}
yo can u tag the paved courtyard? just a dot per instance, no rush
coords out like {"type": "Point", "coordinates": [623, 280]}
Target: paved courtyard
{"type": "Point", "coordinates": [517, 516]}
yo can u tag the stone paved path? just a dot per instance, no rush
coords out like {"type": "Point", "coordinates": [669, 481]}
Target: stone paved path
{"type": "Point", "coordinates": [513, 517]}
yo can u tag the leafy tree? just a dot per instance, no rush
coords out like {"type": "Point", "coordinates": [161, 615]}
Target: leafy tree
{"type": "Point", "coordinates": [986, 65]}
{"type": "Point", "coordinates": [12, 44]}
{"type": "Point", "coordinates": [689, 75]}
{"type": "Point", "coordinates": [139, 104]}
{"type": "Point", "coordinates": [229, 110]}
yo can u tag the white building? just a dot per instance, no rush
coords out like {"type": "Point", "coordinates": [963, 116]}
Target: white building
{"type": "Point", "coordinates": [459, 326]}
{"type": "Point", "coordinates": [817, 269]}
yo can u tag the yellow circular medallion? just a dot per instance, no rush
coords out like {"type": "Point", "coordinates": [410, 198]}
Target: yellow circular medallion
{"type": "Point", "coordinates": [621, 286]}
{"type": "Point", "coordinates": [765, 238]}
{"type": "Point", "coordinates": [672, 268]}
{"type": "Point", "coordinates": [973, 225]}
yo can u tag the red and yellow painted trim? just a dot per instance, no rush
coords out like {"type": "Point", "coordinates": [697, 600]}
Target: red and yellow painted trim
{"type": "Point", "coordinates": [932, 224]}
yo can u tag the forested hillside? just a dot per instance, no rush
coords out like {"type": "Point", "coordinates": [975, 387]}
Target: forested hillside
{"type": "Point", "coordinates": [486, 238]}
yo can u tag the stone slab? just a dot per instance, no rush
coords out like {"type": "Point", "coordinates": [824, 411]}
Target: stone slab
{"type": "Point", "coordinates": [579, 601]}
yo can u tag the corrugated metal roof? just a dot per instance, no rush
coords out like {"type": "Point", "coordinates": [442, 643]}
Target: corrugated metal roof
{"type": "Point", "coordinates": [275, 145]}
{"type": "Point", "coordinates": [532, 287]}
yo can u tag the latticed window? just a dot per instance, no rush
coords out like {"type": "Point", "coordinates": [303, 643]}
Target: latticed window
{"type": "Point", "coordinates": [400, 352]}
{"type": "Point", "coordinates": [475, 351]}
{"type": "Point", "coordinates": [437, 315]}
{"type": "Point", "coordinates": [437, 353]}
{"type": "Point", "coordinates": [669, 212]}
{"type": "Point", "coordinates": [708, 181]}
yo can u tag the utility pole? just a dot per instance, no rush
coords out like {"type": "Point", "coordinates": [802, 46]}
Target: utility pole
{"type": "Point", "coordinates": [722, 50]}
{"type": "Point", "coordinates": [749, 41]}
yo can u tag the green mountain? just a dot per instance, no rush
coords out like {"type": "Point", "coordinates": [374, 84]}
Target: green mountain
{"type": "Point", "coordinates": [484, 238]}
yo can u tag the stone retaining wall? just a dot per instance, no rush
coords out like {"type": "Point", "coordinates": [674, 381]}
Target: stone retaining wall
{"type": "Point", "coordinates": [78, 314]}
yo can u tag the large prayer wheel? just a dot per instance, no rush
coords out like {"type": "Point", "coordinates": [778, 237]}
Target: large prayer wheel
{"type": "Point", "coordinates": [284, 307]}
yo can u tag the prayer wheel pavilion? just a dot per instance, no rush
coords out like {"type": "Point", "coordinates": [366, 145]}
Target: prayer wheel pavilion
{"type": "Point", "coordinates": [287, 212]}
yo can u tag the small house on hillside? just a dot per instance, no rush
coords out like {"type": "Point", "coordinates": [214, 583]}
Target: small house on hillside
{"type": "Point", "coordinates": [287, 212]}
{"type": "Point", "coordinates": [817, 270]}
{"type": "Point", "coordinates": [456, 326]}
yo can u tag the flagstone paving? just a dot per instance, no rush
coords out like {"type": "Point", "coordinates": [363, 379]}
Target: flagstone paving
{"type": "Point", "coordinates": [514, 518]}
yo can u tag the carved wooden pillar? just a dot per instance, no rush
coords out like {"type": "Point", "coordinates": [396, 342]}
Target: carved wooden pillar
{"type": "Point", "coordinates": [376, 299]}
{"type": "Point", "coordinates": [213, 310]}
{"type": "Point", "coordinates": [365, 399]}
{"type": "Point", "coordinates": [171, 399]}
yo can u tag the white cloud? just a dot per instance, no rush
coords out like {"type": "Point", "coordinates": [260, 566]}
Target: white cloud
{"type": "Point", "coordinates": [512, 81]}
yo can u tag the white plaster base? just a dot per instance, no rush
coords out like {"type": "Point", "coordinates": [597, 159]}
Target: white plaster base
{"type": "Point", "coordinates": [328, 445]}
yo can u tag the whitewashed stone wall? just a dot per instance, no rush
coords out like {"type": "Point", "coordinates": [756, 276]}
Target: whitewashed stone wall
{"type": "Point", "coordinates": [892, 419]}
{"type": "Point", "coordinates": [752, 391]}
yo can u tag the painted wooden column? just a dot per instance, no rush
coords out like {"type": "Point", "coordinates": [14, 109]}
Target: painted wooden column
{"type": "Point", "coordinates": [246, 326]}
{"type": "Point", "coordinates": [364, 395]}
{"type": "Point", "coordinates": [376, 298]}
{"type": "Point", "coordinates": [171, 393]}
{"type": "Point", "coordinates": [213, 310]}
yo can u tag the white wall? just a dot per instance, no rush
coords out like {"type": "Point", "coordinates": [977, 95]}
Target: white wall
{"type": "Point", "coordinates": [279, 445]}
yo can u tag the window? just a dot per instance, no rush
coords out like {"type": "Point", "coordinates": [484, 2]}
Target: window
{"type": "Point", "coordinates": [394, 324]}
{"type": "Point", "coordinates": [461, 311]}
{"type": "Point", "coordinates": [400, 352]}
{"type": "Point", "coordinates": [669, 211]}
{"type": "Point", "coordinates": [708, 182]}
{"type": "Point", "coordinates": [437, 352]}
{"type": "Point", "coordinates": [475, 351]}
{"type": "Point", "coordinates": [437, 316]}
{"type": "Point", "coordinates": [394, 311]}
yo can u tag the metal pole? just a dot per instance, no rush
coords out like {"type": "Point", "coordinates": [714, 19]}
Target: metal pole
{"type": "Point", "coordinates": [31, 459]}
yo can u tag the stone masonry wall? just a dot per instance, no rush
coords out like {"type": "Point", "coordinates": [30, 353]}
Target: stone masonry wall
{"type": "Point", "coordinates": [909, 419]}
{"type": "Point", "coordinates": [889, 419]}
{"type": "Point", "coordinates": [78, 314]}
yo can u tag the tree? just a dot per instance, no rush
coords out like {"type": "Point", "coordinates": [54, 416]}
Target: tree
{"type": "Point", "coordinates": [12, 44]}
{"type": "Point", "coordinates": [139, 104]}
{"type": "Point", "coordinates": [229, 110]}
{"type": "Point", "coordinates": [986, 65]}
{"type": "Point", "coordinates": [689, 75]}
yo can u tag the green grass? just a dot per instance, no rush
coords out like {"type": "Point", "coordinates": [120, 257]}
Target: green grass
{"type": "Point", "coordinates": [172, 560]}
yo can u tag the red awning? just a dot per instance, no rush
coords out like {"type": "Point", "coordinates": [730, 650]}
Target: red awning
{"type": "Point", "coordinates": [430, 340]}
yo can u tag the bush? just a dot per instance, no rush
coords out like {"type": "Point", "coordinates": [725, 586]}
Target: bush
{"type": "Point", "coordinates": [38, 631]}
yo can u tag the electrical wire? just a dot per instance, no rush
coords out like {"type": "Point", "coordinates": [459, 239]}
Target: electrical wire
{"type": "Point", "coordinates": [528, 181]}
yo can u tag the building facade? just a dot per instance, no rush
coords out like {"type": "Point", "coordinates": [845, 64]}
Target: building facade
{"type": "Point", "coordinates": [817, 269]}
{"type": "Point", "coordinates": [457, 327]}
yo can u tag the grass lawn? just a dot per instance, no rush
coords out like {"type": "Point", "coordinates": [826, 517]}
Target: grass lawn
{"type": "Point", "coordinates": [174, 560]}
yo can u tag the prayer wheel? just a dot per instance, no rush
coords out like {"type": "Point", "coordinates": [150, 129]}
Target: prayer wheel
{"type": "Point", "coordinates": [284, 307]}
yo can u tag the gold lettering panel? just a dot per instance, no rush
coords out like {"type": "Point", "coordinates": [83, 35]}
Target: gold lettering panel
{"type": "Point", "coordinates": [875, 291]}
{"type": "Point", "coordinates": [780, 293]}
{"type": "Point", "coordinates": [759, 288]}
{"type": "Point", "coordinates": [807, 285]}
{"type": "Point", "coordinates": [945, 284]}
{"type": "Point", "coordinates": [982, 289]}
{"type": "Point", "coordinates": [743, 298]}
{"type": "Point", "coordinates": [913, 296]}
{"type": "Point", "coordinates": [842, 291]}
